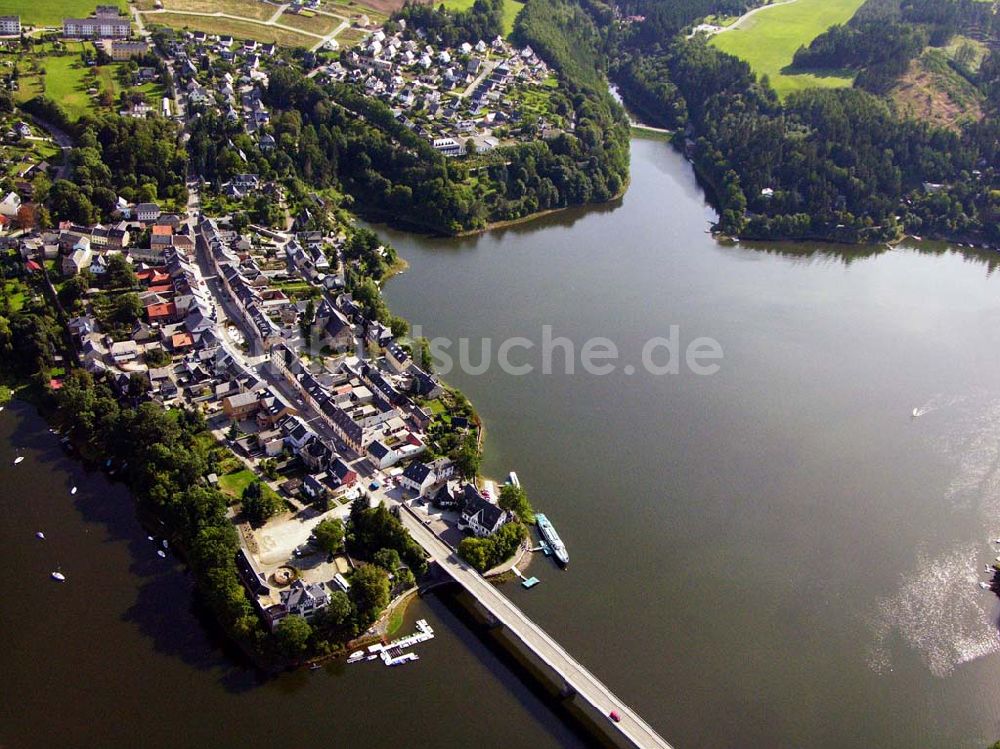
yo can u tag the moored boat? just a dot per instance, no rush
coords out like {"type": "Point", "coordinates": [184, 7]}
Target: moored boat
{"type": "Point", "coordinates": [552, 538]}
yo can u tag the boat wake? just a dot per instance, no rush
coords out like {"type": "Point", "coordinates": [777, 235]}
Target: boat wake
{"type": "Point", "coordinates": [937, 402]}
{"type": "Point", "coordinates": [941, 613]}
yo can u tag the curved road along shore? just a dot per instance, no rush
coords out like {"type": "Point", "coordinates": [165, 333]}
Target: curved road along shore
{"type": "Point", "coordinates": [585, 684]}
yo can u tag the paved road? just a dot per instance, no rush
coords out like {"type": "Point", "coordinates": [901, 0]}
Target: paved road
{"type": "Point", "coordinates": [62, 139]}
{"type": "Point", "coordinates": [584, 683]}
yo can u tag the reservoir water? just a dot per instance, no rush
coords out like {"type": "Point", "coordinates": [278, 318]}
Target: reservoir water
{"type": "Point", "coordinates": [776, 555]}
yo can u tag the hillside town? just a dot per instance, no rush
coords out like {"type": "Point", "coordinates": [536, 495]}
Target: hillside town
{"type": "Point", "coordinates": [343, 415]}
{"type": "Point", "coordinates": [466, 99]}
{"type": "Point", "coordinates": [238, 299]}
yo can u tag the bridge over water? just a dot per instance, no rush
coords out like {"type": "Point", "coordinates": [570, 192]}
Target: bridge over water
{"type": "Point", "coordinates": [574, 680]}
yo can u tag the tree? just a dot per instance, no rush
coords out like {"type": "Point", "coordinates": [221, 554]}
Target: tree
{"type": "Point", "coordinates": [293, 635]}
{"type": "Point", "coordinates": [269, 467]}
{"type": "Point", "coordinates": [486, 553]}
{"type": "Point", "coordinates": [66, 201]}
{"type": "Point", "coordinates": [399, 326]}
{"type": "Point", "coordinates": [337, 619]}
{"type": "Point", "coordinates": [156, 357]}
{"type": "Point", "coordinates": [73, 290]}
{"type": "Point", "coordinates": [370, 593]}
{"type": "Point", "coordinates": [127, 309]}
{"type": "Point", "coordinates": [260, 503]}
{"type": "Point", "coordinates": [425, 360]}
{"type": "Point", "coordinates": [387, 559]}
{"type": "Point", "coordinates": [514, 500]}
{"type": "Point", "coordinates": [330, 535]}
{"type": "Point", "coordinates": [120, 273]}
{"type": "Point", "coordinates": [468, 457]}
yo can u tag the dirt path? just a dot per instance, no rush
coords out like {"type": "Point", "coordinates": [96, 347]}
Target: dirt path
{"type": "Point", "coordinates": [743, 19]}
{"type": "Point", "coordinates": [244, 19]}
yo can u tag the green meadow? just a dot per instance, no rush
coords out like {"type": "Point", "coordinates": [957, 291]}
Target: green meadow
{"type": "Point", "coordinates": [768, 41]}
{"type": "Point", "coordinates": [52, 12]}
{"type": "Point", "coordinates": [510, 10]}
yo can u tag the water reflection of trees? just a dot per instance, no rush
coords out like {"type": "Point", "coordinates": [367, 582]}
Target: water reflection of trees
{"type": "Point", "coordinates": [849, 254]}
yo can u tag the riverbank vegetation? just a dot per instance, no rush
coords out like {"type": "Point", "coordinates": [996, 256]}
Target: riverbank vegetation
{"type": "Point", "coordinates": [840, 165]}
{"type": "Point", "coordinates": [486, 553]}
{"type": "Point", "coordinates": [165, 456]}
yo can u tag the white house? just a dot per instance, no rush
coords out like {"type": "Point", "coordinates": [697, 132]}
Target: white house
{"type": "Point", "coordinates": [147, 212]}
{"type": "Point", "coordinates": [418, 477]}
{"type": "Point", "coordinates": [124, 351]}
{"type": "Point", "coordinates": [480, 516]}
{"type": "Point", "coordinates": [10, 205]}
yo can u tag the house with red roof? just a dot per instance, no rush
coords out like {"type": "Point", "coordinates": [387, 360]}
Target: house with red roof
{"type": "Point", "coordinates": [162, 313]}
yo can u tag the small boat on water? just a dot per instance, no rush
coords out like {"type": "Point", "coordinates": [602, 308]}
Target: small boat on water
{"type": "Point", "coordinates": [552, 538]}
{"type": "Point", "coordinates": [59, 576]}
{"type": "Point", "coordinates": [512, 479]}
{"type": "Point", "coordinates": [161, 554]}
{"type": "Point", "coordinates": [985, 586]}
{"type": "Point", "coordinates": [315, 667]}
{"type": "Point", "coordinates": [357, 655]}
{"type": "Point", "coordinates": [72, 491]}
{"type": "Point", "coordinates": [916, 412]}
{"type": "Point", "coordinates": [18, 459]}
{"type": "Point", "coordinates": [40, 535]}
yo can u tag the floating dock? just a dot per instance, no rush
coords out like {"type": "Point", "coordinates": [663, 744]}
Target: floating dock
{"type": "Point", "coordinates": [392, 654]}
{"type": "Point", "coordinates": [531, 582]}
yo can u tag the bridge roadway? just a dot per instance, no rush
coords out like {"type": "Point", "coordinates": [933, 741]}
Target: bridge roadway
{"type": "Point", "coordinates": [633, 728]}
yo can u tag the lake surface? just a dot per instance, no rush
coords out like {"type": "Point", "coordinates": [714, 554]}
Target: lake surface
{"type": "Point", "coordinates": [778, 555]}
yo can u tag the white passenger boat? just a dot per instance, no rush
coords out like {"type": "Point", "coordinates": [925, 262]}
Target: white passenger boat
{"type": "Point", "coordinates": [552, 538]}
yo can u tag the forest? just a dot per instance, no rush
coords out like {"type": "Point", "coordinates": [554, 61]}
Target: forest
{"type": "Point", "coordinates": [839, 165]}
{"type": "Point", "coordinates": [140, 160]}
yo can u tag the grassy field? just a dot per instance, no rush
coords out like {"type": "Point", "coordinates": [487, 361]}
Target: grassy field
{"type": "Point", "coordinates": [352, 9]}
{"type": "Point", "coordinates": [768, 41]}
{"type": "Point", "coordinates": [350, 37]}
{"type": "Point", "coordinates": [317, 24]}
{"type": "Point", "coordinates": [51, 12]}
{"type": "Point", "coordinates": [235, 483]}
{"type": "Point", "coordinates": [244, 8]}
{"type": "Point", "coordinates": [510, 10]}
{"type": "Point", "coordinates": [237, 29]}
{"type": "Point", "coordinates": [66, 80]}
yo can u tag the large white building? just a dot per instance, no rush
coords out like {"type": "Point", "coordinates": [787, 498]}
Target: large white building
{"type": "Point", "coordinates": [10, 25]}
{"type": "Point", "coordinates": [97, 27]}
